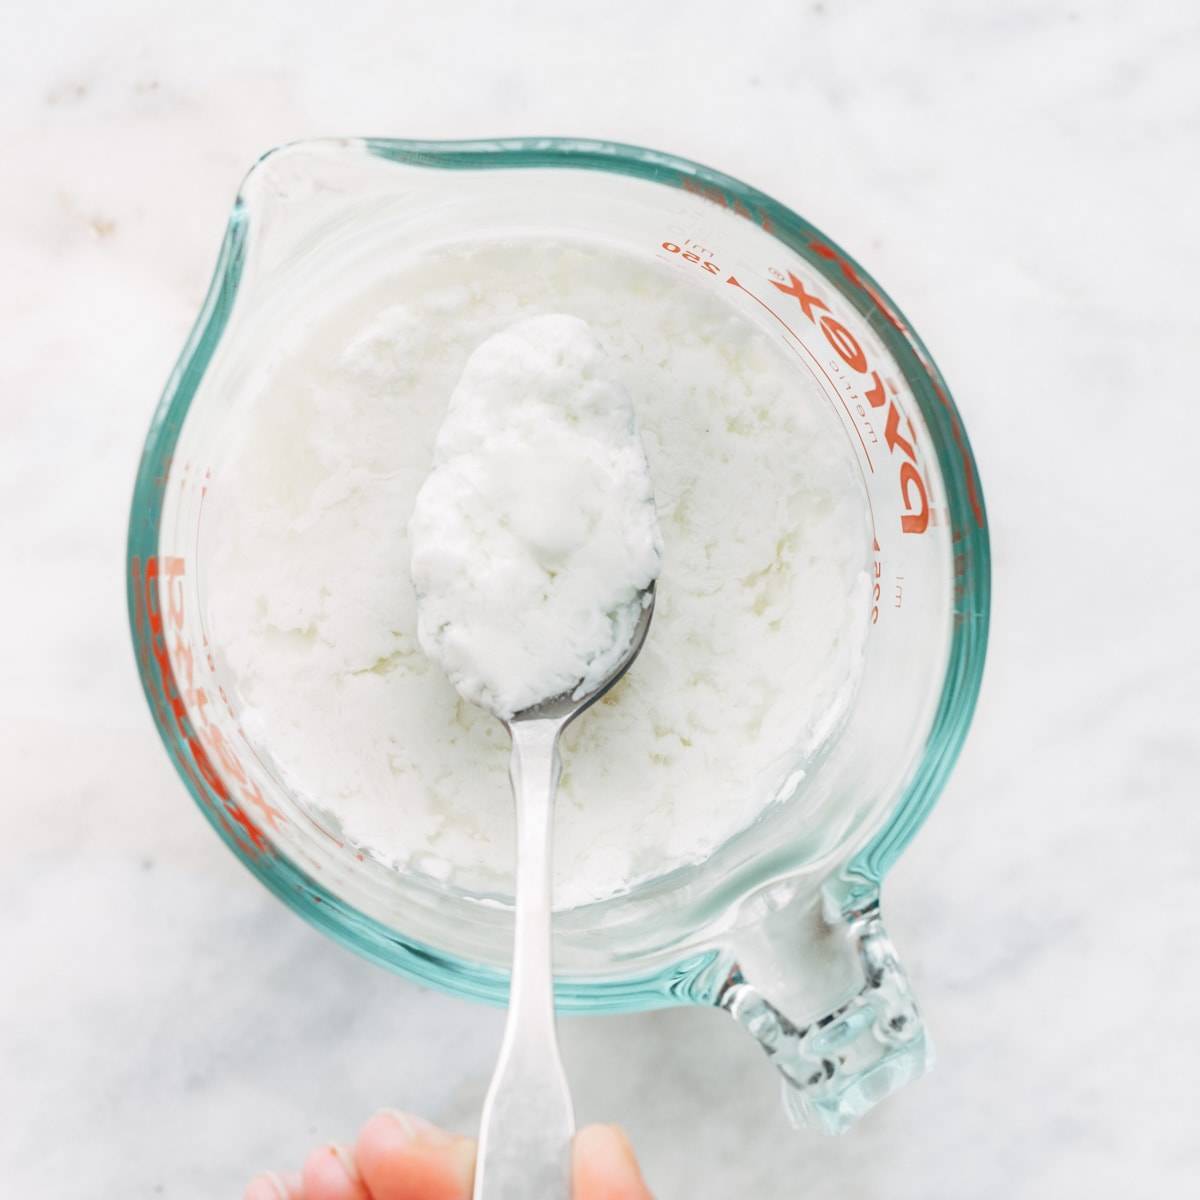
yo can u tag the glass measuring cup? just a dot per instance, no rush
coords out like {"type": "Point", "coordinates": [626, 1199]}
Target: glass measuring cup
{"type": "Point", "coordinates": [781, 925]}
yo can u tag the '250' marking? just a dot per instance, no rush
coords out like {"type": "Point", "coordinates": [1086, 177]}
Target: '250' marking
{"type": "Point", "coordinates": [692, 257]}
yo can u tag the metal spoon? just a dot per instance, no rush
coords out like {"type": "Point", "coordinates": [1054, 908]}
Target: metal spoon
{"type": "Point", "coordinates": [528, 1119]}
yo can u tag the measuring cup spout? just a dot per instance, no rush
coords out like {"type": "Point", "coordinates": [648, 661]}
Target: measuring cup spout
{"type": "Point", "coordinates": [822, 992]}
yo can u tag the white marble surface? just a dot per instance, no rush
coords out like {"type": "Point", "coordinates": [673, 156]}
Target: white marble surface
{"type": "Point", "coordinates": [1020, 177]}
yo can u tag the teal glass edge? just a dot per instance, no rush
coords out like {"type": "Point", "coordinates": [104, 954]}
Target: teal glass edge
{"type": "Point", "coordinates": [691, 980]}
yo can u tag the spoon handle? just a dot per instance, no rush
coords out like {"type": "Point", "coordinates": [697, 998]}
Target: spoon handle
{"type": "Point", "coordinates": [528, 1120]}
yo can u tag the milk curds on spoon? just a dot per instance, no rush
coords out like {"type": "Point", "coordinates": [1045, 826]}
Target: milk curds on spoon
{"type": "Point", "coordinates": [535, 550]}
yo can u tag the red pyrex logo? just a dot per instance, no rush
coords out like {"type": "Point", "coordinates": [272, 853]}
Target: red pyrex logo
{"type": "Point", "coordinates": [913, 493]}
{"type": "Point", "coordinates": [181, 707]}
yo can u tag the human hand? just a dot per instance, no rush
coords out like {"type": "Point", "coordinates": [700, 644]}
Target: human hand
{"type": "Point", "coordinates": [402, 1157]}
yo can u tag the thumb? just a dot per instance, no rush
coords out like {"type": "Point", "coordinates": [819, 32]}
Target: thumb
{"type": "Point", "coordinates": [604, 1166]}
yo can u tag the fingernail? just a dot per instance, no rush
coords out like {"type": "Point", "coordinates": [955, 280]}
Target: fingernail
{"type": "Point", "coordinates": [344, 1161]}
{"type": "Point", "coordinates": [267, 1183]}
{"type": "Point", "coordinates": [416, 1129]}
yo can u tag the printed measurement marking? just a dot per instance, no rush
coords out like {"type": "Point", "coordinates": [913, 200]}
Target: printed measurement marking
{"type": "Point", "coordinates": [816, 362]}
{"type": "Point", "coordinates": [876, 591]}
{"type": "Point", "coordinates": [693, 257]}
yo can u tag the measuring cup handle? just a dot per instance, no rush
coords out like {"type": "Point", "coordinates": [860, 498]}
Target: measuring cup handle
{"type": "Point", "coordinates": [838, 1061]}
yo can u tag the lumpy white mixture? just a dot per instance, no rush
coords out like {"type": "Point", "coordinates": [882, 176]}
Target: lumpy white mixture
{"type": "Point", "coordinates": [762, 602]}
{"type": "Point", "coordinates": [535, 534]}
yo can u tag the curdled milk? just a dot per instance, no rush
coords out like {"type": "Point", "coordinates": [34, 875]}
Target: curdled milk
{"type": "Point", "coordinates": [535, 535]}
{"type": "Point", "coordinates": [763, 597]}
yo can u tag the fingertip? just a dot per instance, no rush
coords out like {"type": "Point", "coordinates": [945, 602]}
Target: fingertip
{"type": "Point", "coordinates": [403, 1157]}
{"type": "Point", "coordinates": [270, 1186]}
{"type": "Point", "coordinates": [392, 1127]}
{"type": "Point", "coordinates": [331, 1174]}
{"type": "Point", "coordinates": [261, 1187]}
{"type": "Point", "coordinates": [604, 1166]}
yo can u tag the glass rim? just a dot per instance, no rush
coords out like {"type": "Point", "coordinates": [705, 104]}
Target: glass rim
{"type": "Point", "coordinates": [687, 980]}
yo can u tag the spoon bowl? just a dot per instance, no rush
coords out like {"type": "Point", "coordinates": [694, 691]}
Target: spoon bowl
{"type": "Point", "coordinates": [566, 706]}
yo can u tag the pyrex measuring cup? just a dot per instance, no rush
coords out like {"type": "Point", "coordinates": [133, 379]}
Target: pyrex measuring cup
{"type": "Point", "coordinates": [781, 925]}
